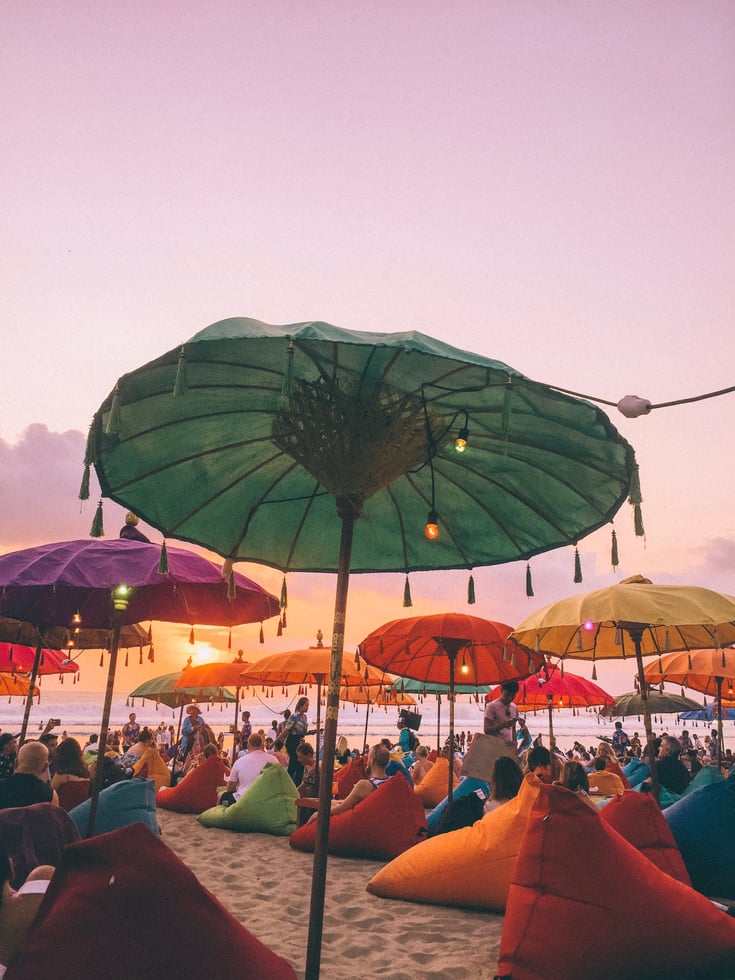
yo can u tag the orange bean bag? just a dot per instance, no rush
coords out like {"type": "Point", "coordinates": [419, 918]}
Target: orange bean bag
{"type": "Point", "coordinates": [347, 776]}
{"type": "Point", "coordinates": [197, 791]}
{"type": "Point", "coordinates": [607, 783]}
{"type": "Point", "coordinates": [638, 818]}
{"type": "Point", "coordinates": [433, 787]}
{"type": "Point", "coordinates": [471, 867]}
{"type": "Point", "coordinates": [585, 903]}
{"type": "Point", "coordinates": [386, 823]}
{"type": "Point", "coordinates": [151, 766]}
{"type": "Point", "coordinates": [143, 914]}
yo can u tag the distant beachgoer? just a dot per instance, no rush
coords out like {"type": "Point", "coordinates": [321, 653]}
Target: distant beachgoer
{"type": "Point", "coordinates": [8, 754]}
{"type": "Point", "coordinates": [575, 779]}
{"type": "Point", "coordinates": [291, 734]}
{"type": "Point", "coordinates": [636, 746]}
{"type": "Point", "coordinates": [713, 743]}
{"type": "Point", "coordinates": [247, 729]}
{"type": "Point", "coordinates": [501, 715]}
{"type": "Point", "coordinates": [282, 724]}
{"type": "Point", "coordinates": [377, 760]}
{"type": "Point", "coordinates": [620, 741]}
{"type": "Point", "coordinates": [51, 742]}
{"type": "Point", "coordinates": [130, 732]}
{"type": "Point", "coordinates": [523, 736]}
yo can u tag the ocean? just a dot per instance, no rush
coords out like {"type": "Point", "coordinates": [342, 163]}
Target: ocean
{"type": "Point", "coordinates": [80, 713]}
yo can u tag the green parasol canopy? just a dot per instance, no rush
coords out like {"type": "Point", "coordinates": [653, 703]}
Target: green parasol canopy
{"type": "Point", "coordinates": [164, 689]}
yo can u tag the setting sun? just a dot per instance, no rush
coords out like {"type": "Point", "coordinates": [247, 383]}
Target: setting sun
{"type": "Point", "coordinates": [203, 654]}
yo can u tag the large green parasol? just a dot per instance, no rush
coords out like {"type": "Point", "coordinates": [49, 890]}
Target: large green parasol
{"type": "Point", "coordinates": [246, 437]}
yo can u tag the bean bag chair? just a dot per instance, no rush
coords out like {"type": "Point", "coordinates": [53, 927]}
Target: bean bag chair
{"type": "Point", "coordinates": [617, 769]}
{"type": "Point", "coordinates": [143, 914]}
{"type": "Point", "coordinates": [197, 791]}
{"type": "Point", "coordinates": [123, 803]}
{"type": "Point", "coordinates": [470, 868]}
{"type": "Point", "coordinates": [638, 819]}
{"type": "Point", "coordinates": [611, 915]}
{"type": "Point", "coordinates": [347, 776]}
{"type": "Point", "coordinates": [433, 787]}
{"type": "Point", "coordinates": [268, 806]}
{"type": "Point", "coordinates": [702, 824]}
{"type": "Point", "coordinates": [667, 798]}
{"type": "Point", "coordinates": [466, 786]}
{"type": "Point", "coordinates": [151, 766]}
{"type": "Point", "coordinates": [33, 835]}
{"type": "Point", "coordinates": [705, 777]}
{"type": "Point", "coordinates": [73, 793]}
{"type": "Point", "coordinates": [636, 771]}
{"type": "Point", "coordinates": [385, 824]}
{"type": "Point", "coordinates": [607, 783]}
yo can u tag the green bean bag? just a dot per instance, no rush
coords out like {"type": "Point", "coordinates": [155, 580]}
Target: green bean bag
{"type": "Point", "coordinates": [385, 824]}
{"type": "Point", "coordinates": [585, 903]}
{"type": "Point", "coordinates": [268, 806]}
{"type": "Point", "coordinates": [123, 803]}
{"type": "Point", "coordinates": [197, 791]}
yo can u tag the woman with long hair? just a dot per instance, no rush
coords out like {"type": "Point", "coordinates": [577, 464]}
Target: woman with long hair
{"type": "Point", "coordinates": [70, 766]}
{"type": "Point", "coordinates": [292, 734]}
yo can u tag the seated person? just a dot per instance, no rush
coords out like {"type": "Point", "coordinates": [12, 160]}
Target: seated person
{"type": "Point", "coordinates": [538, 761]}
{"type": "Point", "coordinates": [394, 765]}
{"type": "Point", "coordinates": [342, 753]}
{"type": "Point", "coordinates": [671, 771]}
{"type": "Point", "coordinates": [574, 778]}
{"type": "Point", "coordinates": [70, 765]}
{"type": "Point", "coordinates": [378, 759]}
{"type": "Point", "coordinates": [246, 768]}
{"type": "Point", "coordinates": [604, 782]}
{"type": "Point", "coordinates": [30, 782]}
{"type": "Point", "coordinates": [18, 908]}
{"type": "Point", "coordinates": [505, 783]}
{"type": "Point", "coordinates": [136, 752]}
{"type": "Point", "coordinates": [113, 772]}
{"type": "Point", "coordinates": [422, 765]}
{"type": "Point", "coordinates": [309, 785]}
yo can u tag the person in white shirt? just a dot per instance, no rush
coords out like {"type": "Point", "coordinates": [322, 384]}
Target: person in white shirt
{"type": "Point", "coordinates": [246, 769]}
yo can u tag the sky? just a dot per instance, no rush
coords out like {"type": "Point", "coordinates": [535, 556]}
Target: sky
{"type": "Point", "coordinates": [547, 184]}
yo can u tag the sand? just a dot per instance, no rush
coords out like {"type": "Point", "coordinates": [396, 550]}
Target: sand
{"type": "Point", "coordinates": [267, 885]}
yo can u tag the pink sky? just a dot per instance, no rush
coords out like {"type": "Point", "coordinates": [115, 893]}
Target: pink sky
{"type": "Point", "coordinates": [546, 184]}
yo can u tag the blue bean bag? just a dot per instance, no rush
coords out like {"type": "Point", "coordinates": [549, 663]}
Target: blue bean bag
{"type": "Point", "coordinates": [268, 806]}
{"type": "Point", "coordinates": [636, 771]}
{"type": "Point", "coordinates": [468, 785]}
{"type": "Point", "coordinates": [123, 803]}
{"type": "Point", "coordinates": [702, 824]}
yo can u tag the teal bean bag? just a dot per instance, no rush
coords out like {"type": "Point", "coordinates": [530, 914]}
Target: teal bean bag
{"type": "Point", "coordinates": [705, 777]}
{"type": "Point", "coordinates": [129, 801]}
{"type": "Point", "coordinates": [702, 823]}
{"type": "Point", "coordinates": [266, 807]}
{"type": "Point", "coordinates": [468, 785]}
{"type": "Point", "coordinates": [636, 771]}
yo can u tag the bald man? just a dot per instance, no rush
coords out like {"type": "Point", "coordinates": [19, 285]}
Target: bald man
{"type": "Point", "coordinates": [30, 782]}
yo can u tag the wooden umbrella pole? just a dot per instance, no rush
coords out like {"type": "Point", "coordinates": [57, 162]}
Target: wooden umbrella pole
{"type": "Point", "coordinates": [552, 740]}
{"type": "Point", "coordinates": [367, 716]}
{"type": "Point", "coordinates": [234, 729]}
{"type": "Point", "coordinates": [452, 654]}
{"type": "Point", "coordinates": [29, 699]}
{"type": "Point", "coordinates": [318, 724]}
{"type": "Point", "coordinates": [720, 737]}
{"type": "Point", "coordinates": [438, 721]}
{"type": "Point", "coordinates": [637, 635]}
{"type": "Point", "coordinates": [104, 724]}
{"type": "Point", "coordinates": [347, 512]}
{"type": "Point", "coordinates": [175, 746]}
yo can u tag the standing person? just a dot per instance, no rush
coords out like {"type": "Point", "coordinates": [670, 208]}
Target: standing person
{"type": "Point", "coordinates": [713, 743]}
{"type": "Point", "coordinates": [8, 754]}
{"type": "Point", "coordinates": [189, 729]}
{"type": "Point", "coordinates": [247, 729]}
{"type": "Point", "coordinates": [282, 724]}
{"type": "Point", "coordinates": [501, 715]}
{"type": "Point", "coordinates": [130, 732]}
{"type": "Point", "coordinates": [523, 736]}
{"type": "Point", "coordinates": [620, 741]}
{"type": "Point", "coordinates": [291, 734]}
{"type": "Point", "coordinates": [51, 742]}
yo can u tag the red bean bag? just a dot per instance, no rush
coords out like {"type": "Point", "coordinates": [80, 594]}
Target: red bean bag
{"type": "Point", "coordinates": [585, 903]}
{"type": "Point", "coordinates": [616, 768]}
{"type": "Point", "coordinates": [347, 776]}
{"type": "Point", "coordinates": [385, 824]}
{"type": "Point", "coordinates": [143, 914]}
{"type": "Point", "coordinates": [638, 818]}
{"type": "Point", "coordinates": [471, 867]}
{"type": "Point", "coordinates": [197, 791]}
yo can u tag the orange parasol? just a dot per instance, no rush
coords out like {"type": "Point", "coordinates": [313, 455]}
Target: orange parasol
{"type": "Point", "coordinates": [219, 673]}
{"type": "Point", "coordinates": [16, 686]}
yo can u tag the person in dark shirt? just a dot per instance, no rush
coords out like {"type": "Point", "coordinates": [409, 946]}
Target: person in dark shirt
{"type": "Point", "coordinates": [671, 771]}
{"type": "Point", "coordinates": [29, 783]}
{"type": "Point", "coordinates": [8, 754]}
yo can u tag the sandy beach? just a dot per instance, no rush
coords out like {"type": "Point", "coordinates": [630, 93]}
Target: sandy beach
{"type": "Point", "coordinates": [256, 875]}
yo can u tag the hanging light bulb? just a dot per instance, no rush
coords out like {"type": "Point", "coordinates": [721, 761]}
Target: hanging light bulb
{"type": "Point", "coordinates": [464, 668]}
{"type": "Point", "coordinates": [432, 526]}
{"type": "Point", "coordinates": [76, 618]}
{"type": "Point", "coordinates": [460, 443]}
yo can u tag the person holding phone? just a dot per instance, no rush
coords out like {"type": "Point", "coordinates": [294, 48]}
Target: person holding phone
{"type": "Point", "coordinates": [501, 715]}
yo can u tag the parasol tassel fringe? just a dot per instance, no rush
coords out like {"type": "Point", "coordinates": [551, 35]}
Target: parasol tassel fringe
{"type": "Point", "coordinates": [231, 587]}
{"type": "Point", "coordinates": [181, 386]}
{"type": "Point", "coordinates": [594, 671]}
{"type": "Point", "coordinates": [407, 594]}
{"type": "Point", "coordinates": [561, 668]}
{"type": "Point", "coordinates": [667, 642]}
{"type": "Point", "coordinates": [279, 631]}
{"type": "Point", "coordinates": [471, 591]}
{"type": "Point", "coordinates": [163, 560]}
{"type": "Point", "coordinates": [283, 618]}
{"type": "Point", "coordinates": [126, 657]}
{"type": "Point", "coordinates": [284, 594]}
{"type": "Point", "coordinates": [614, 550]}
{"type": "Point", "coordinates": [689, 662]}
{"type": "Point", "coordinates": [229, 639]}
{"type": "Point", "coordinates": [529, 582]}
{"type": "Point", "coordinates": [579, 640]}
{"type": "Point", "coordinates": [84, 488]}
{"type": "Point", "coordinates": [717, 640]}
{"type": "Point", "coordinates": [505, 652]}
{"type": "Point", "coordinates": [577, 567]}
{"type": "Point", "coordinates": [538, 643]}
{"type": "Point", "coordinates": [262, 636]}
{"type": "Point", "coordinates": [634, 496]}
{"type": "Point", "coordinates": [97, 530]}
{"type": "Point", "coordinates": [227, 566]}
{"type": "Point", "coordinates": [618, 637]}
{"type": "Point", "coordinates": [724, 664]}
{"type": "Point", "coordinates": [112, 428]}
{"type": "Point", "coordinates": [192, 640]}
{"type": "Point", "coordinates": [661, 666]}
{"type": "Point", "coordinates": [140, 658]}
{"type": "Point", "coordinates": [102, 660]}
{"type": "Point", "coordinates": [638, 521]}
{"type": "Point", "coordinates": [151, 654]}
